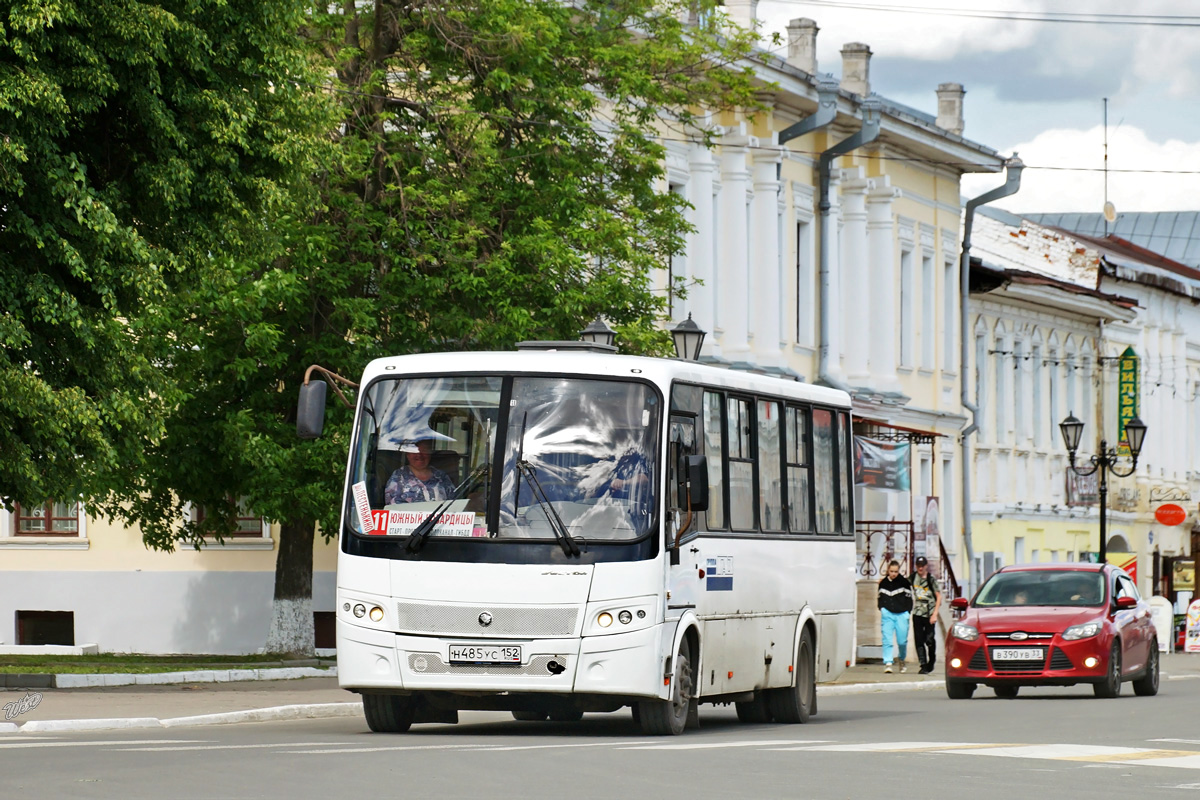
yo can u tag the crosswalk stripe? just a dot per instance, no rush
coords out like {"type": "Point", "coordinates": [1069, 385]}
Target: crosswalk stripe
{"type": "Point", "coordinates": [722, 745]}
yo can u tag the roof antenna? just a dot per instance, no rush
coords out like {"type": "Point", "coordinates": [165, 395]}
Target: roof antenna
{"type": "Point", "coordinates": [1110, 211]}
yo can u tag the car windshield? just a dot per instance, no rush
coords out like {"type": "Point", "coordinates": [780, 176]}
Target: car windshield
{"type": "Point", "coordinates": [571, 454]}
{"type": "Point", "coordinates": [1042, 588]}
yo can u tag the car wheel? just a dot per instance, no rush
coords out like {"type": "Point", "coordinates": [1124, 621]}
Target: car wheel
{"type": "Point", "coordinates": [796, 704]}
{"type": "Point", "coordinates": [1007, 692]}
{"type": "Point", "coordinates": [959, 690]}
{"type": "Point", "coordinates": [754, 710]}
{"type": "Point", "coordinates": [389, 713]}
{"type": "Point", "coordinates": [669, 717]}
{"type": "Point", "coordinates": [1147, 685]}
{"type": "Point", "coordinates": [529, 716]}
{"type": "Point", "coordinates": [1111, 685]}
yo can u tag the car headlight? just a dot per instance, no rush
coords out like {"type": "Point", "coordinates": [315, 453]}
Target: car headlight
{"type": "Point", "coordinates": [1084, 631]}
{"type": "Point", "coordinates": [962, 630]}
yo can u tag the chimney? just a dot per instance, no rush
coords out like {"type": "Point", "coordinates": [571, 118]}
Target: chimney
{"type": "Point", "coordinates": [950, 107]}
{"type": "Point", "coordinates": [856, 68]}
{"type": "Point", "coordinates": [802, 44]}
{"type": "Point", "coordinates": [744, 13]}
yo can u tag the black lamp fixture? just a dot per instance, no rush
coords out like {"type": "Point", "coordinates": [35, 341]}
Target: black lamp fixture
{"type": "Point", "coordinates": [1104, 461]}
{"type": "Point", "coordinates": [598, 332]}
{"type": "Point", "coordinates": [689, 337]}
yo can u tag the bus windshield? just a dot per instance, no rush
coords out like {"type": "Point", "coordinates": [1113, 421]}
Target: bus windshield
{"type": "Point", "coordinates": [506, 457]}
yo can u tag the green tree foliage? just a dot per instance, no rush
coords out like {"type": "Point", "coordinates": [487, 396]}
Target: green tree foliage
{"type": "Point", "coordinates": [136, 140]}
{"type": "Point", "coordinates": [494, 176]}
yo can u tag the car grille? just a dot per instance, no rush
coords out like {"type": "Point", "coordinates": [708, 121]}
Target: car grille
{"type": "Point", "coordinates": [520, 621]}
{"type": "Point", "coordinates": [978, 661]}
{"type": "Point", "coordinates": [1018, 666]}
{"type": "Point", "coordinates": [1008, 636]}
{"type": "Point", "coordinates": [1059, 660]}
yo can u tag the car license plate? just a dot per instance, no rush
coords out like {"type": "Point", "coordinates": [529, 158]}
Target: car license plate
{"type": "Point", "coordinates": [485, 654]}
{"type": "Point", "coordinates": [1018, 654]}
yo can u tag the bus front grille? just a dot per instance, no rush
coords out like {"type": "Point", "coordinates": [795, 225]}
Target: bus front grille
{"type": "Point", "coordinates": [522, 621]}
{"type": "Point", "coordinates": [538, 666]}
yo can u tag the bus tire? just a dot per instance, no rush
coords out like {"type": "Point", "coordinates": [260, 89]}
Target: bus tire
{"type": "Point", "coordinates": [795, 704]}
{"type": "Point", "coordinates": [755, 710]}
{"type": "Point", "coordinates": [389, 713]}
{"type": "Point", "coordinates": [529, 716]}
{"type": "Point", "coordinates": [669, 717]}
{"type": "Point", "coordinates": [566, 716]}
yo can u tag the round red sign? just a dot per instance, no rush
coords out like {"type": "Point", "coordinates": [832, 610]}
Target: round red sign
{"type": "Point", "coordinates": [1170, 514]}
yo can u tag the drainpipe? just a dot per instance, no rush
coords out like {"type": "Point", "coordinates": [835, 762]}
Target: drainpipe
{"type": "Point", "coordinates": [869, 132]}
{"type": "Point", "coordinates": [1013, 167]}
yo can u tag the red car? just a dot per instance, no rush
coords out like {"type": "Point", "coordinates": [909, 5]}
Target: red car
{"type": "Point", "coordinates": [1052, 625]}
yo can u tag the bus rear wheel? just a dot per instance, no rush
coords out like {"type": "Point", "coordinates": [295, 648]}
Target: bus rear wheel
{"type": "Point", "coordinates": [529, 716]}
{"type": "Point", "coordinates": [795, 704]}
{"type": "Point", "coordinates": [388, 713]}
{"type": "Point", "coordinates": [670, 717]}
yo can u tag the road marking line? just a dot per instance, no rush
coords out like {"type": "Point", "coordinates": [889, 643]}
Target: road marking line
{"type": "Point", "coordinates": [717, 745]}
{"type": "Point", "coordinates": [1138, 756]}
{"type": "Point", "coordinates": [222, 747]}
{"type": "Point", "coordinates": [15, 745]}
{"type": "Point", "coordinates": [1062, 752]}
{"type": "Point", "coordinates": [887, 747]}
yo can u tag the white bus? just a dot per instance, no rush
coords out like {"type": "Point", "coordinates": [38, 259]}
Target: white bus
{"type": "Point", "coordinates": [559, 532]}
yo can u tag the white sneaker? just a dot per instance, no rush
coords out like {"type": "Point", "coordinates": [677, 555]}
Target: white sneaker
{"type": "Point", "coordinates": [887, 667]}
{"type": "Point", "coordinates": [903, 667]}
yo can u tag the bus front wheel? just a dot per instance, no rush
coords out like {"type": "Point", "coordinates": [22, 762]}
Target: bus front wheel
{"type": "Point", "coordinates": [389, 713]}
{"type": "Point", "coordinates": [670, 717]}
{"type": "Point", "coordinates": [796, 703]}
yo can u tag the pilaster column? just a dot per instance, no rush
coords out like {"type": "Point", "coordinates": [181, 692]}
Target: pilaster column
{"type": "Point", "coordinates": [766, 285]}
{"type": "Point", "coordinates": [733, 268]}
{"type": "Point", "coordinates": [701, 297]}
{"type": "Point", "coordinates": [857, 325]}
{"type": "Point", "coordinates": [831, 236]}
{"type": "Point", "coordinates": [882, 278]}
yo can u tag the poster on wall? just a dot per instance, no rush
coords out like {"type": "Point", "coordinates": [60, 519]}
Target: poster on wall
{"type": "Point", "coordinates": [1127, 395]}
{"type": "Point", "coordinates": [881, 465]}
{"type": "Point", "coordinates": [1126, 561]}
{"type": "Point", "coordinates": [927, 534]}
{"type": "Point", "coordinates": [1183, 574]}
{"type": "Point", "coordinates": [1191, 639]}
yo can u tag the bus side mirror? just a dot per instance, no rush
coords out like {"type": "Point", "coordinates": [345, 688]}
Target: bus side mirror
{"type": "Point", "coordinates": [310, 411]}
{"type": "Point", "coordinates": [697, 479]}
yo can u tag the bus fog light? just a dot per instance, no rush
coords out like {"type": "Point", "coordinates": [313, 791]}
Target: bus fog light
{"type": "Point", "coordinates": [604, 620]}
{"type": "Point", "coordinates": [1091, 661]}
{"type": "Point", "coordinates": [625, 617]}
{"type": "Point", "coordinates": [376, 614]}
{"type": "Point", "coordinates": [956, 662]}
{"type": "Point", "coordinates": [359, 610]}
{"type": "Point", "coordinates": [641, 614]}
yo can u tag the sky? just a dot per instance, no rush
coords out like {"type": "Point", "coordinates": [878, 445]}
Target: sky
{"type": "Point", "coordinates": [1037, 89]}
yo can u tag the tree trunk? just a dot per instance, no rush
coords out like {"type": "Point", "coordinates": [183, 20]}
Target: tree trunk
{"type": "Point", "coordinates": [291, 609]}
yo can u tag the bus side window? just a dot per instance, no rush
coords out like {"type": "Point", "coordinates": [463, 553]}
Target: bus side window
{"type": "Point", "coordinates": [713, 448]}
{"type": "Point", "coordinates": [845, 475]}
{"type": "Point", "coordinates": [825, 470]}
{"type": "Point", "coordinates": [799, 472]}
{"type": "Point", "coordinates": [741, 464]}
{"type": "Point", "coordinates": [770, 483]}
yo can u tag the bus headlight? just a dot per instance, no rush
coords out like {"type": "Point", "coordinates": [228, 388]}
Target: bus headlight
{"type": "Point", "coordinates": [620, 616]}
{"type": "Point", "coordinates": [376, 614]}
{"type": "Point", "coordinates": [604, 620]}
{"type": "Point", "coordinates": [360, 610]}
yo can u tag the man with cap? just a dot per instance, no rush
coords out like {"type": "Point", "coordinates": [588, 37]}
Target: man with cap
{"type": "Point", "coordinates": [927, 600]}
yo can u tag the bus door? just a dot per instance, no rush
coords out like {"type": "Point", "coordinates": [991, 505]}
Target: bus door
{"type": "Point", "coordinates": [681, 527]}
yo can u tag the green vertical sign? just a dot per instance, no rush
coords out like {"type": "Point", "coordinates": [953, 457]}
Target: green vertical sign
{"type": "Point", "coordinates": [1127, 395]}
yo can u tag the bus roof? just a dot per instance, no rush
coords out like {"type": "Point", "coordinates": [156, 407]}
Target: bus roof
{"type": "Point", "coordinates": [661, 371]}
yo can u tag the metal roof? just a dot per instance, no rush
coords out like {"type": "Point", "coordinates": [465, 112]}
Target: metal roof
{"type": "Point", "coordinates": [1174, 234]}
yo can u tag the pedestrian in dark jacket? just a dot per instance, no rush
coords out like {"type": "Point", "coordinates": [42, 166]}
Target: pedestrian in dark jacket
{"type": "Point", "coordinates": [895, 606]}
{"type": "Point", "coordinates": [927, 600]}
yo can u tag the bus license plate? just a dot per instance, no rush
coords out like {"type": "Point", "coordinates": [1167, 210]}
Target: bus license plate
{"type": "Point", "coordinates": [485, 654]}
{"type": "Point", "coordinates": [1018, 654]}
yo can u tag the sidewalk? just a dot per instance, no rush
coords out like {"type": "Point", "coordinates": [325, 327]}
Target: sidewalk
{"type": "Point", "coordinates": [208, 703]}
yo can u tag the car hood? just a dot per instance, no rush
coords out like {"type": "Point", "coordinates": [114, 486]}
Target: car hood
{"type": "Point", "coordinates": [1031, 619]}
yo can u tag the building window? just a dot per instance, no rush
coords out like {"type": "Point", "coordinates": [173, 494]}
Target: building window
{"type": "Point", "coordinates": [46, 627]}
{"type": "Point", "coordinates": [949, 311]}
{"type": "Point", "coordinates": [1018, 421]}
{"type": "Point", "coordinates": [928, 313]}
{"type": "Point", "coordinates": [907, 309]}
{"type": "Point", "coordinates": [1038, 419]}
{"type": "Point", "coordinates": [806, 285]}
{"type": "Point", "coordinates": [246, 524]}
{"type": "Point", "coordinates": [51, 519]}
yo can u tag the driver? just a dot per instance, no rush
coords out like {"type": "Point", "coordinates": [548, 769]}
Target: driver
{"type": "Point", "coordinates": [418, 481]}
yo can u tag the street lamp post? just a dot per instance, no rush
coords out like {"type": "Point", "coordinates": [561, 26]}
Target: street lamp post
{"type": "Point", "coordinates": [1105, 461]}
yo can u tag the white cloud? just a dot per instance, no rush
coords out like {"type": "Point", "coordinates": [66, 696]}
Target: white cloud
{"type": "Point", "coordinates": [1129, 148]}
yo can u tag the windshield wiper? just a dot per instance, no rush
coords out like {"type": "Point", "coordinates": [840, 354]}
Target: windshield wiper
{"type": "Point", "coordinates": [416, 539]}
{"type": "Point", "coordinates": [556, 524]}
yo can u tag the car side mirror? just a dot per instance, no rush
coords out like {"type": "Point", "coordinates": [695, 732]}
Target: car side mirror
{"type": "Point", "coordinates": [310, 411]}
{"type": "Point", "coordinates": [960, 604]}
{"type": "Point", "coordinates": [697, 478]}
{"type": "Point", "coordinates": [1126, 602]}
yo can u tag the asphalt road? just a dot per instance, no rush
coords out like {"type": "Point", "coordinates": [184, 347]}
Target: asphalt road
{"type": "Point", "coordinates": [1047, 742]}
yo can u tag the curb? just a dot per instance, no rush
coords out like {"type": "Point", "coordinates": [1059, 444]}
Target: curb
{"type": "Point", "coordinates": [869, 688]}
{"type": "Point", "coordinates": [103, 680]}
{"type": "Point", "coordinates": [305, 711]}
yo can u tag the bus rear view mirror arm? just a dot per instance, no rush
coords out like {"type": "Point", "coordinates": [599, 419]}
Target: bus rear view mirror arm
{"type": "Point", "coordinates": [310, 410]}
